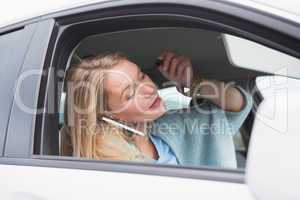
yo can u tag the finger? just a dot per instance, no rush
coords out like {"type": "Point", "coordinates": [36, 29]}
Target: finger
{"type": "Point", "coordinates": [161, 59]}
{"type": "Point", "coordinates": [161, 64]}
{"type": "Point", "coordinates": [162, 55]}
{"type": "Point", "coordinates": [181, 65]}
{"type": "Point", "coordinates": [160, 68]}
{"type": "Point", "coordinates": [175, 64]}
{"type": "Point", "coordinates": [180, 71]}
{"type": "Point", "coordinates": [167, 59]}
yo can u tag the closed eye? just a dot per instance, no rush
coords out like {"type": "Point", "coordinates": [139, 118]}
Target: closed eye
{"type": "Point", "coordinates": [143, 75]}
{"type": "Point", "coordinates": [130, 95]}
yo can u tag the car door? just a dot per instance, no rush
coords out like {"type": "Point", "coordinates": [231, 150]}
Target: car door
{"type": "Point", "coordinates": [26, 174]}
{"type": "Point", "coordinates": [275, 133]}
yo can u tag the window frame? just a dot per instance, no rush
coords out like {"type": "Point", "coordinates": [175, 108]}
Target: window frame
{"type": "Point", "coordinates": [201, 172]}
{"type": "Point", "coordinates": [23, 37]}
{"type": "Point", "coordinates": [203, 18]}
{"type": "Point", "coordinates": [120, 20]}
{"type": "Point", "coordinates": [20, 131]}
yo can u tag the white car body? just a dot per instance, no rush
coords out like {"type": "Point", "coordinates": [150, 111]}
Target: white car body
{"type": "Point", "coordinates": [39, 183]}
{"type": "Point", "coordinates": [24, 10]}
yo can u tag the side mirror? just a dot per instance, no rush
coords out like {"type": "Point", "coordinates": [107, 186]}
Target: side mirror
{"type": "Point", "coordinates": [251, 55]}
{"type": "Point", "coordinates": [273, 165]}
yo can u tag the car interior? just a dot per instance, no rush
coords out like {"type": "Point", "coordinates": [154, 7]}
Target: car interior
{"type": "Point", "coordinates": [205, 48]}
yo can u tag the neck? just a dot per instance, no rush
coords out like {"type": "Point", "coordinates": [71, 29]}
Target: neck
{"type": "Point", "coordinates": [144, 143]}
{"type": "Point", "coordinates": [142, 126]}
{"type": "Point", "coordinates": [146, 146]}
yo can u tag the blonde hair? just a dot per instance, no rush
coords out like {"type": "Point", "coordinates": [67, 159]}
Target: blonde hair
{"type": "Point", "coordinates": [84, 134]}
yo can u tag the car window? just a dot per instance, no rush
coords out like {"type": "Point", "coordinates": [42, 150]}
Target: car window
{"type": "Point", "coordinates": [181, 108]}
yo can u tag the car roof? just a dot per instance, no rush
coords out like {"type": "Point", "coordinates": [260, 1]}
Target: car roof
{"type": "Point", "coordinates": [25, 10]}
{"type": "Point", "coordinates": [288, 6]}
{"type": "Point", "coordinates": [288, 9]}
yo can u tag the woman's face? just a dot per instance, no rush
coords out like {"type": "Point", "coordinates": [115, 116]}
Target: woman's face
{"type": "Point", "coordinates": [132, 95]}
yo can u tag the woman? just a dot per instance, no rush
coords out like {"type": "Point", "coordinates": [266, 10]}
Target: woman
{"type": "Point", "coordinates": [111, 86]}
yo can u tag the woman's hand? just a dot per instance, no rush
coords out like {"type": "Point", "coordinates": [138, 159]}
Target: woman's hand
{"type": "Point", "coordinates": [179, 69]}
{"type": "Point", "coordinates": [176, 68]}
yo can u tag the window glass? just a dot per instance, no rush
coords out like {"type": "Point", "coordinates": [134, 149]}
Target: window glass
{"type": "Point", "coordinates": [12, 51]}
{"type": "Point", "coordinates": [121, 103]}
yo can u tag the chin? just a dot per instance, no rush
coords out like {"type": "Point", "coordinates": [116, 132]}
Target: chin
{"type": "Point", "coordinates": [150, 115]}
{"type": "Point", "coordinates": [157, 113]}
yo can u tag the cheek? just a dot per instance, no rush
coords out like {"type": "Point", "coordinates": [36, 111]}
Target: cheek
{"type": "Point", "coordinates": [135, 107]}
{"type": "Point", "coordinates": [138, 113]}
{"type": "Point", "coordinates": [133, 111]}
{"type": "Point", "coordinates": [128, 114]}
{"type": "Point", "coordinates": [141, 104]}
{"type": "Point", "coordinates": [114, 105]}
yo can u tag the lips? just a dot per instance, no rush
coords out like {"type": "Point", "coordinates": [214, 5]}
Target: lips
{"type": "Point", "coordinates": [155, 103]}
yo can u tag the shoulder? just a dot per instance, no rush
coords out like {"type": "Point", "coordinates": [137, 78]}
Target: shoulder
{"type": "Point", "coordinates": [180, 121]}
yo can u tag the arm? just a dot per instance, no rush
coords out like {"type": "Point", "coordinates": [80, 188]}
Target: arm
{"type": "Point", "coordinates": [179, 69]}
{"type": "Point", "coordinates": [225, 96]}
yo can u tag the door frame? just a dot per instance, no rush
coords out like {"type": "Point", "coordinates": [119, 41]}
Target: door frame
{"type": "Point", "coordinates": [200, 15]}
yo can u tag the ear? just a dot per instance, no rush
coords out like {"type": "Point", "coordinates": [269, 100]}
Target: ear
{"type": "Point", "coordinates": [112, 116]}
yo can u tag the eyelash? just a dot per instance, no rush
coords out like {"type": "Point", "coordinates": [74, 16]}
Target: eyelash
{"type": "Point", "coordinates": [132, 95]}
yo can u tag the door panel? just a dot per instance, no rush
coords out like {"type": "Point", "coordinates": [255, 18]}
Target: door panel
{"type": "Point", "coordinates": [13, 48]}
{"type": "Point", "coordinates": [23, 113]}
{"type": "Point", "coordinates": [37, 183]}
